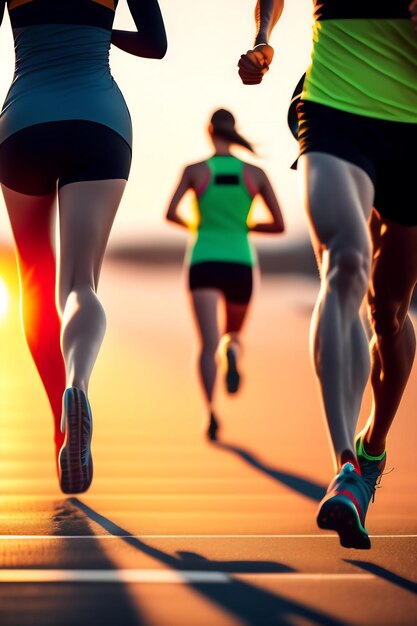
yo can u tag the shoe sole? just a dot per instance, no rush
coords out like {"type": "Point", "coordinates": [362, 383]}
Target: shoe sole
{"type": "Point", "coordinates": [339, 514]}
{"type": "Point", "coordinates": [232, 376]}
{"type": "Point", "coordinates": [74, 477]}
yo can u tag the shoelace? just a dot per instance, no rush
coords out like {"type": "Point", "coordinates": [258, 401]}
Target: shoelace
{"type": "Point", "coordinates": [372, 476]}
{"type": "Point", "coordinates": [378, 481]}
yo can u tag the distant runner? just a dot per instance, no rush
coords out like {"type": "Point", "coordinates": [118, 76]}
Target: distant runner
{"type": "Point", "coordinates": [221, 260]}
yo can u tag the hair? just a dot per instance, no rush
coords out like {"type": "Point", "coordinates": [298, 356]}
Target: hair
{"type": "Point", "coordinates": [223, 123]}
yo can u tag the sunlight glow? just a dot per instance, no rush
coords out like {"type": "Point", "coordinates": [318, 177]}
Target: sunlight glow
{"type": "Point", "coordinates": [4, 299]}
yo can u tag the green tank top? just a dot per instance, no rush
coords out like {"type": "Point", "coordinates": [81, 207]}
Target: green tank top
{"type": "Point", "coordinates": [364, 59]}
{"type": "Point", "coordinates": [224, 207]}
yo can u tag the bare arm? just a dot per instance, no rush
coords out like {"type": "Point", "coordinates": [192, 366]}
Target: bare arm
{"type": "Point", "coordinates": [183, 186]}
{"type": "Point", "coordinates": [150, 40]}
{"type": "Point", "coordinates": [255, 63]}
{"type": "Point", "coordinates": [264, 189]}
{"type": "Point", "coordinates": [267, 14]}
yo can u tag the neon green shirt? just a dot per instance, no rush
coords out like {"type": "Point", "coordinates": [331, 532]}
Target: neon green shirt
{"type": "Point", "coordinates": [224, 207]}
{"type": "Point", "coordinates": [364, 65]}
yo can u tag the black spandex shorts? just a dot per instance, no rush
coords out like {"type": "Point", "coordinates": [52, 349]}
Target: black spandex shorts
{"type": "Point", "coordinates": [36, 158]}
{"type": "Point", "coordinates": [385, 150]}
{"type": "Point", "coordinates": [233, 279]}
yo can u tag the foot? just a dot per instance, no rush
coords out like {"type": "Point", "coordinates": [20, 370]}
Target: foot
{"type": "Point", "coordinates": [232, 377]}
{"type": "Point", "coordinates": [212, 428]}
{"type": "Point", "coordinates": [344, 507]}
{"type": "Point", "coordinates": [75, 461]}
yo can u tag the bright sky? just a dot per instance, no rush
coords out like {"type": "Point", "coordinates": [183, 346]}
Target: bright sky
{"type": "Point", "coordinates": [170, 101]}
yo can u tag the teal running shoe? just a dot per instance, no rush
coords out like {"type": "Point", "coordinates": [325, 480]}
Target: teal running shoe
{"type": "Point", "coordinates": [344, 507]}
{"type": "Point", "coordinates": [371, 467]}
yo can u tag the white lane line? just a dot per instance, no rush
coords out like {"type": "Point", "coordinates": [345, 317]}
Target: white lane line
{"type": "Point", "coordinates": [157, 576]}
{"type": "Point", "coordinates": [110, 536]}
{"type": "Point", "coordinates": [110, 576]}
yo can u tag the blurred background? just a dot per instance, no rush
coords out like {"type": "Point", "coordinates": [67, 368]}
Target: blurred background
{"type": "Point", "coordinates": [171, 101]}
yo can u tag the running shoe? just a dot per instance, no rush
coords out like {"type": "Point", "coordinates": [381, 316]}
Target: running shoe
{"type": "Point", "coordinates": [212, 428]}
{"type": "Point", "coordinates": [371, 468]}
{"type": "Point", "coordinates": [232, 377]}
{"type": "Point", "coordinates": [344, 507]}
{"type": "Point", "coordinates": [75, 461]}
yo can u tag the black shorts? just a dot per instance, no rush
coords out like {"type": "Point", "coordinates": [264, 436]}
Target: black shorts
{"type": "Point", "coordinates": [234, 280]}
{"type": "Point", "coordinates": [36, 158]}
{"type": "Point", "coordinates": [385, 150]}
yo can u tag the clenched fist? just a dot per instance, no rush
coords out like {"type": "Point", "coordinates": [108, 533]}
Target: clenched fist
{"type": "Point", "coordinates": [255, 63]}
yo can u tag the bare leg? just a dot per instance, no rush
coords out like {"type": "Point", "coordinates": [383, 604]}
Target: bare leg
{"type": "Point", "coordinates": [230, 346]}
{"type": "Point", "coordinates": [205, 305]}
{"type": "Point", "coordinates": [338, 197]}
{"type": "Point", "coordinates": [87, 211]}
{"type": "Point", "coordinates": [235, 316]}
{"type": "Point", "coordinates": [394, 276]}
{"type": "Point", "coordinates": [33, 219]}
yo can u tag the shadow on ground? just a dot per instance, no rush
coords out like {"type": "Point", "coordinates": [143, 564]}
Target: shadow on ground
{"type": "Point", "coordinates": [301, 485]}
{"type": "Point", "coordinates": [68, 604]}
{"type": "Point", "coordinates": [248, 603]}
{"type": "Point", "coordinates": [386, 574]}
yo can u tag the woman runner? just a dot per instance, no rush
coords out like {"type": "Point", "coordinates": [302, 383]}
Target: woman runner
{"type": "Point", "coordinates": [221, 261]}
{"type": "Point", "coordinates": [65, 138]}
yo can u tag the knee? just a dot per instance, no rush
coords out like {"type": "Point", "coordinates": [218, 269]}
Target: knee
{"type": "Point", "coordinates": [37, 282]}
{"type": "Point", "coordinates": [348, 268]}
{"type": "Point", "coordinates": [209, 349]}
{"type": "Point", "coordinates": [385, 317]}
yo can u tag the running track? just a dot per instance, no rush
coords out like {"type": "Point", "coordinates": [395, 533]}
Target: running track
{"type": "Point", "coordinates": [176, 532]}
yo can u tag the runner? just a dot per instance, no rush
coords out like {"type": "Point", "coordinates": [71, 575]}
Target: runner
{"type": "Point", "coordinates": [221, 260]}
{"type": "Point", "coordinates": [357, 132]}
{"type": "Point", "coordinates": [65, 136]}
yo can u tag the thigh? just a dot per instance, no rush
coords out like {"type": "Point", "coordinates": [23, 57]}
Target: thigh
{"type": "Point", "coordinates": [395, 198]}
{"type": "Point", "coordinates": [205, 303]}
{"type": "Point", "coordinates": [86, 213]}
{"type": "Point", "coordinates": [35, 159]}
{"type": "Point", "coordinates": [338, 197]}
{"type": "Point", "coordinates": [394, 267]}
{"type": "Point", "coordinates": [235, 316]}
{"type": "Point", "coordinates": [237, 282]}
{"type": "Point", "coordinates": [327, 130]}
{"type": "Point", "coordinates": [32, 220]}
{"type": "Point", "coordinates": [29, 163]}
{"type": "Point", "coordinates": [90, 152]}
{"type": "Point", "coordinates": [238, 291]}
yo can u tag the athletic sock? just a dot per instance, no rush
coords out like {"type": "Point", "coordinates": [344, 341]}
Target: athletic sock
{"type": "Point", "coordinates": [361, 452]}
{"type": "Point", "coordinates": [347, 456]}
